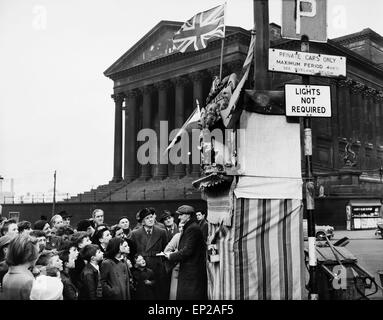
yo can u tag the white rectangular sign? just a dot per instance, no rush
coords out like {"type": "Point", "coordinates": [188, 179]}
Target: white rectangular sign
{"type": "Point", "coordinates": [304, 17]}
{"type": "Point", "coordinates": [313, 64]}
{"type": "Point", "coordinates": [307, 101]}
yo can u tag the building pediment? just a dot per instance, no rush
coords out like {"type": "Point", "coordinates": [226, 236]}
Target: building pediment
{"type": "Point", "coordinates": [157, 43]}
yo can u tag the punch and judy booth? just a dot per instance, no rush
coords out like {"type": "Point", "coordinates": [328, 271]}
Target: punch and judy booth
{"type": "Point", "coordinates": [253, 186]}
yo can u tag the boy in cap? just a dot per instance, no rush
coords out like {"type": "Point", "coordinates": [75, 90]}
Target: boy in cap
{"type": "Point", "coordinates": [66, 218]}
{"type": "Point", "coordinates": [88, 226]}
{"type": "Point", "coordinates": [151, 240]}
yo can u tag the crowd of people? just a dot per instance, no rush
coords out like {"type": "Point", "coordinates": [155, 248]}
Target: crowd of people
{"type": "Point", "coordinates": [156, 260]}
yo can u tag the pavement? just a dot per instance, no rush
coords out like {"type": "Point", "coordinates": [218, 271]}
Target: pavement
{"type": "Point", "coordinates": [356, 234]}
{"type": "Point", "coordinates": [369, 253]}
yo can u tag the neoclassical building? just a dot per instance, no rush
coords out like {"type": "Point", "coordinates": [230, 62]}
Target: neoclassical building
{"type": "Point", "coordinates": [152, 84]}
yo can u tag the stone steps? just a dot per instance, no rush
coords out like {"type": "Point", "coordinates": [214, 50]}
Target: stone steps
{"type": "Point", "coordinates": [153, 189]}
{"type": "Point", "coordinates": [168, 188]}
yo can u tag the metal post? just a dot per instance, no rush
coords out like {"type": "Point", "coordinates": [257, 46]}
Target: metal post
{"type": "Point", "coordinates": [221, 60]}
{"type": "Point", "coordinates": [262, 44]}
{"type": "Point", "coordinates": [54, 194]}
{"type": "Point", "coordinates": [309, 188]}
{"type": "Point", "coordinates": [126, 194]}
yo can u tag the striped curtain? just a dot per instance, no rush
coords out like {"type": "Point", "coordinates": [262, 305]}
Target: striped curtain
{"type": "Point", "coordinates": [221, 275]}
{"type": "Point", "coordinates": [268, 249]}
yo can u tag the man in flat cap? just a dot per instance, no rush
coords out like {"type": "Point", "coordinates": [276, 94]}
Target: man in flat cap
{"type": "Point", "coordinates": [150, 240]}
{"type": "Point", "coordinates": [191, 254]}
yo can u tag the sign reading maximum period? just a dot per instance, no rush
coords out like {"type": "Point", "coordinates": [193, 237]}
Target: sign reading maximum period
{"type": "Point", "coordinates": [307, 101]}
{"type": "Point", "coordinates": [307, 63]}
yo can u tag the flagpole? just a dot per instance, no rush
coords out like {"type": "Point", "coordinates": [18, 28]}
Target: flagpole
{"type": "Point", "coordinates": [223, 41]}
{"type": "Point", "coordinates": [54, 194]}
{"type": "Point", "coordinates": [221, 62]}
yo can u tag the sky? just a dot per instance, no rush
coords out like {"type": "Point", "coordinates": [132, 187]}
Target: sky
{"type": "Point", "coordinates": [56, 112]}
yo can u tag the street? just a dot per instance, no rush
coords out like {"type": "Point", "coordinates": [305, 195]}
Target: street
{"type": "Point", "coordinates": [368, 249]}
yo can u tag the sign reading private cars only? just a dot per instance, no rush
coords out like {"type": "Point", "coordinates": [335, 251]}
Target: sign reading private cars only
{"type": "Point", "coordinates": [307, 101]}
{"type": "Point", "coordinates": [307, 63]}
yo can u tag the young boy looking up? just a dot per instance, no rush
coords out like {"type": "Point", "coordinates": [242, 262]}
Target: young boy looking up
{"type": "Point", "coordinates": [90, 285]}
{"type": "Point", "coordinates": [144, 279]}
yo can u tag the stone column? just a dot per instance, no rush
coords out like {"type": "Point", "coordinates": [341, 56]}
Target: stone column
{"type": "Point", "coordinates": [117, 167]}
{"type": "Point", "coordinates": [163, 115]}
{"type": "Point", "coordinates": [147, 123]}
{"type": "Point", "coordinates": [358, 120]}
{"type": "Point", "coordinates": [371, 114]}
{"type": "Point", "coordinates": [179, 169]}
{"type": "Point", "coordinates": [346, 109]}
{"type": "Point", "coordinates": [197, 79]}
{"type": "Point", "coordinates": [335, 127]}
{"type": "Point", "coordinates": [378, 99]}
{"type": "Point", "coordinates": [130, 164]}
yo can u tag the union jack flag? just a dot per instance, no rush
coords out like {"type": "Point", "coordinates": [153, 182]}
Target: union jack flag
{"type": "Point", "coordinates": [204, 26]}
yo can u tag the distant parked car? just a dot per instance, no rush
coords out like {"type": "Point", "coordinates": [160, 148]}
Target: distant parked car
{"type": "Point", "coordinates": [320, 231]}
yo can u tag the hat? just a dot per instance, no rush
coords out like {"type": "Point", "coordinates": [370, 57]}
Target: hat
{"type": "Point", "coordinates": [143, 213]}
{"type": "Point", "coordinates": [185, 209]}
{"type": "Point", "coordinates": [47, 288]}
{"type": "Point", "coordinates": [83, 225]}
{"type": "Point", "coordinates": [39, 224]}
{"type": "Point", "coordinates": [4, 240]}
{"type": "Point", "coordinates": [78, 236]}
{"type": "Point", "coordinates": [65, 214]}
{"type": "Point", "coordinates": [166, 214]}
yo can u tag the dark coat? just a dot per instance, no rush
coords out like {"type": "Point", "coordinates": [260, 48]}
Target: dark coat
{"type": "Point", "coordinates": [75, 273]}
{"type": "Point", "coordinates": [70, 292]}
{"type": "Point", "coordinates": [144, 291]}
{"type": "Point", "coordinates": [204, 228]}
{"type": "Point", "coordinates": [90, 286]}
{"type": "Point", "coordinates": [115, 280]}
{"type": "Point", "coordinates": [191, 254]}
{"type": "Point", "coordinates": [148, 247]}
{"type": "Point", "coordinates": [3, 270]}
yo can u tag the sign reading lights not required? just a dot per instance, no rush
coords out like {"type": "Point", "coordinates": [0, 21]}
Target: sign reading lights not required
{"type": "Point", "coordinates": [307, 101]}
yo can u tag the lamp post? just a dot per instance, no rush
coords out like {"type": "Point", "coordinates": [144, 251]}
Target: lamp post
{"type": "Point", "coordinates": [54, 194]}
{"type": "Point", "coordinates": [1, 188]}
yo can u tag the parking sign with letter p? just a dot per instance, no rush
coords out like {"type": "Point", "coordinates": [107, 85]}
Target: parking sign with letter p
{"type": "Point", "coordinates": [304, 17]}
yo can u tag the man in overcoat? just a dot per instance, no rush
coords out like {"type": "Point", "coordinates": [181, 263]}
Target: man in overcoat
{"type": "Point", "coordinates": [191, 254]}
{"type": "Point", "coordinates": [150, 240]}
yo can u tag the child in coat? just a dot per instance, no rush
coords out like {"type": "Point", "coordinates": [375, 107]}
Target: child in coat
{"type": "Point", "coordinates": [143, 279]}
